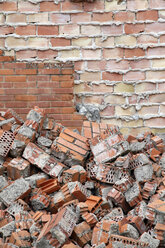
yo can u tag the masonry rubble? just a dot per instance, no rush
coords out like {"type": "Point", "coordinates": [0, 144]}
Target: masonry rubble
{"type": "Point", "coordinates": [97, 189]}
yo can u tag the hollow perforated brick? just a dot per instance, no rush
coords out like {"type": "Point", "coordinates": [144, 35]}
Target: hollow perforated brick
{"type": "Point", "coordinates": [116, 239]}
{"type": "Point", "coordinates": [6, 141]}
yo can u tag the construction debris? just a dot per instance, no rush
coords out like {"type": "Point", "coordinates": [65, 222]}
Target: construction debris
{"type": "Point", "coordinates": [97, 189]}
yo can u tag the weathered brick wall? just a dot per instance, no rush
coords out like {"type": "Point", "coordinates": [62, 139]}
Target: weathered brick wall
{"type": "Point", "coordinates": [118, 52]}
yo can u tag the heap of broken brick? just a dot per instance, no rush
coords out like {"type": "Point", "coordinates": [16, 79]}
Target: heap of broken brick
{"type": "Point", "coordinates": [62, 189]}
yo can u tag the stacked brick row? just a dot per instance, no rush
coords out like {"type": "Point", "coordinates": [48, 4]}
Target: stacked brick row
{"type": "Point", "coordinates": [63, 189]}
{"type": "Point", "coordinates": [117, 48]}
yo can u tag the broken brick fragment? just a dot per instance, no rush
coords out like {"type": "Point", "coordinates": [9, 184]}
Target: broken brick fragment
{"type": "Point", "coordinates": [20, 239]}
{"type": "Point", "coordinates": [58, 229]}
{"type": "Point", "coordinates": [44, 161]}
{"type": "Point", "coordinates": [18, 167]}
{"type": "Point", "coordinates": [56, 190]}
{"type": "Point", "coordinates": [11, 113]}
{"type": "Point", "coordinates": [107, 146]}
{"type": "Point", "coordinates": [39, 199]}
{"type": "Point", "coordinates": [6, 141]}
{"type": "Point", "coordinates": [82, 233]}
{"type": "Point", "coordinates": [118, 199]}
{"type": "Point", "coordinates": [73, 145]}
{"type": "Point", "coordinates": [49, 186]}
{"type": "Point", "coordinates": [19, 189]}
{"type": "Point", "coordinates": [92, 129]}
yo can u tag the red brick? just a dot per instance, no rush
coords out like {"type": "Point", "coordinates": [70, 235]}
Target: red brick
{"type": "Point", "coordinates": [49, 71]}
{"type": "Point", "coordinates": [154, 5]}
{"type": "Point", "coordinates": [144, 87]}
{"type": "Point", "coordinates": [140, 64]}
{"type": "Point", "coordinates": [25, 98]}
{"type": "Point", "coordinates": [70, 6]}
{"type": "Point", "coordinates": [51, 6]}
{"type": "Point", "coordinates": [67, 84]}
{"type": "Point", "coordinates": [68, 110]}
{"type": "Point", "coordinates": [121, 65]}
{"type": "Point", "coordinates": [6, 58]}
{"type": "Point", "coordinates": [94, 7]}
{"type": "Point", "coordinates": [162, 39]}
{"type": "Point", "coordinates": [157, 51]}
{"type": "Point", "coordinates": [6, 30]}
{"type": "Point", "coordinates": [157, 98]}
{"type": "Point", "coordinates": [155, 27]}
{"type": "Point", "coordinates": [123, 16]}
{"type": "Point", "coordinates": [62, 77]}
{"type": "Point", "coordinates": [6, 72]}
{"type": "Point", "coordinates": [113, 53]}
{"type": "Point", "coordinates": [62, 90]}
{"type": "Point", "coordinates": [108, 111]}
{"type": "Point", "coordinates": [47, 30]}
{"type": "Point", "coordinates": [47, 54]}
{"type": "Point", "coordinates": [136, 52]}
{"type": "Point", "coordinates": [161, 87]}
{"type": "Point", "coordinates": [42, 78]}
{"type": "Point", "coordinates": [81, 17]}
{"type": "Point", "coordinates": [19, 85]}
{"type": "Point", "coordinates": [2, 42]}
{"type": "Point", "coordinates": [67, 71]}
{"type": "Point", "coordinates": [48, 84]}
{"type": "Point", "coordinates": [15, 65]}
{"type": "Point", "coordinates": [155, 122]}
{"type": "Point", "coordinates": [25, 30]}
{"type": "Point", "coordinates": [145, 39]}
{"type": "Point", "coordinates": [134, 28]}
{"type": "Point", "coordinates": [15, 78]}
{"type": "Point", "coordinates": [26, 54]}
{"type": "Point", "coordinates": [71, 146]}
{"type": "Point", "coordinates": [6, 98]}
{"type": "Point", "coordinates": [147, 15]}
{"type": "Point", "coordinates": [26, 71]}
{"type": "Point", "coordinates": [112, 29]}
{"type": "Point", "coordinates": [102, 17]}
{"type": "Point", "coordinates": [134, 75]}
{"type": "Point", "coordinates": [112, 76]}
{"type": "Point", "coordinates": [8, 6]}
{"type": "Point", "coordinates": [2, 91]}
{"type": "Point", "coordinates": [27, 7]}
{"type": "Point", "coordinates": [60, 18]}
{"type": "Point", "coordinates": [56, 42]}
{"type": "Point", "coordinates": [15, 91]}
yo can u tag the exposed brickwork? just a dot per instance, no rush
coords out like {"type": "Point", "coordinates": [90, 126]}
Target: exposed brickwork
{"type": "Point", "coordinates": [48, 85]}
{"type": "Point", "coordinates": [95, 36]}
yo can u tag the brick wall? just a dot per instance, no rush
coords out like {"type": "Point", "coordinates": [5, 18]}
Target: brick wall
{"type": "Point", "coordinates": [118, 51]}
{"type": "Point", "coordinates": [24, 85]}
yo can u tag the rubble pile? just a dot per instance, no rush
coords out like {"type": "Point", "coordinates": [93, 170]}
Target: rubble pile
{"type": "Point", "coordinates": [97, 189]}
